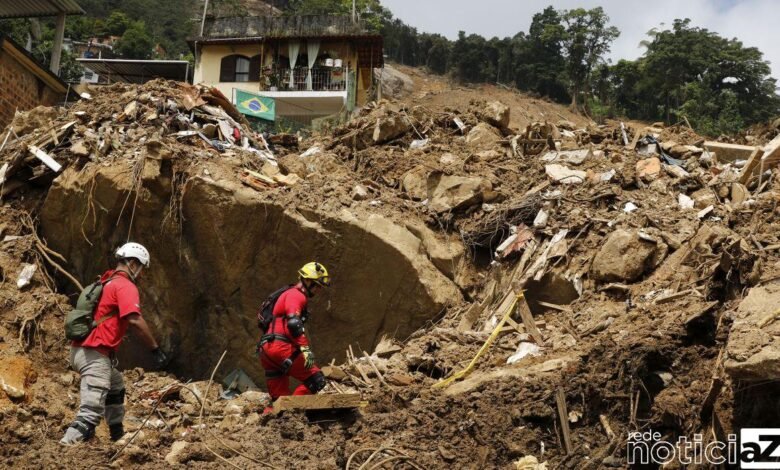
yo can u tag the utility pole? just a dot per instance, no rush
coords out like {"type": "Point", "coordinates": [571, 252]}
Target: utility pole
{"type": "Point", "coordinates": [203, 21]}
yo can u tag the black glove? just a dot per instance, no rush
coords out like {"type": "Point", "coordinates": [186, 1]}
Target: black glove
{"type": "Point", "coordinates": [160, 358]}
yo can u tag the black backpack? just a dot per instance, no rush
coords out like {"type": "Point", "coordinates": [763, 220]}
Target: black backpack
{"type": "Point", "coordinates": [266, 314]}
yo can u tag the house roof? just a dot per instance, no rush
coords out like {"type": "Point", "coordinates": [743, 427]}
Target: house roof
{"type": "Point", "coordinates": [26, 59]}
{"type": "Point", "coordinates": [37, 8]}
{"type": "Point", "coordinates": [138, 71]}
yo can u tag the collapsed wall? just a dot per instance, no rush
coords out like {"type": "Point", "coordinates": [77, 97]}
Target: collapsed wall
{"type": "Point", "coordinates": [218, 249]}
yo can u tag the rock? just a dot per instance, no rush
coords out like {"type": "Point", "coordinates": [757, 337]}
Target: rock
{"type": "Point", "coordinates": [403, 380]}
{"type": "Point", "coordinates": [648, 169]}
{"type": "Point", "coordinates": [67, 378]}
{"type": "Point", "coordinates": [445, 254]}
{"type": "Point", "coordinates": [249, 401]}
{"type": "Point", "coordinates": [415, 183]}
{"type": "Point", "coordinates": [703, 198]}
{"type": "Point", "coordinates": [575, 157]}
{"type": "Point", "coordinates": [482, 136]}
{"type": "Point", "coordinates": [23, 415]}
{"type": "Point", "coordinates": [14, 373]}
{"type": "Point", "coordinates": [334, 372]}
{"type": "Point", "coordinates": [447, 193]}
{"type": "Point", "coordinates": [390, 127]}
{"type": "Point", "coordinates": [612, 461]}
{"type": "Point", "coordinates": [567, 125]}
{"type": "Point", "coordinates": [684, 201]}
{"type": "Point", "coordinates": [488, 155]}
{"type": "Point", "coordinates": [23, 433]}
{"type": "Point", "coordinates": [253, 419]}
{"type": "Point", "coordinates": [624, 257]}
{"type": "Point", "coordinates": [448, 159]}
{"type": "Point", "coordinates": [394, 83]}
{"type": "Point", "coordinates": [529, 462]}
{"type": "Point", "coordinates": [233, 409]}
{"type": "Point", "coordinates": [565, 175]}
{"type": "Point", "coordinates": [360, 193]}
{"type": "Point", "coordinates": [79, 148]}
{"type": "Point", "coordinates": [753, 348]}
{"type": "Point", "coordinates": [139, 438]}
{"type": "Point", "coordinates": [496, 113]}
{"type": "Point", "coordinates": [196, 452]}
{"type": "Point", "coordinates": [177, 449]}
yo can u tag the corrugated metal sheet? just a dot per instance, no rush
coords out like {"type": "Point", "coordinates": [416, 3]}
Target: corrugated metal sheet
{"type": "Point", "coordinates": [137, 71]}
{"type": "Point", "coordinates": [34, 8]}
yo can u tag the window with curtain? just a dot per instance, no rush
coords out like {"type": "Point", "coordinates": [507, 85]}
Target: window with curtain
{"type": "Point", "coordinates": [235, 68]}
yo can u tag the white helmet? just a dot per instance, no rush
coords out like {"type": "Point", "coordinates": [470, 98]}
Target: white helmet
{"type": "Point", "coordinates": [134, 250]}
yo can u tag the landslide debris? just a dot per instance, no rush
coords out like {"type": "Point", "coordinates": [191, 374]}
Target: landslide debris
{"type": "Point", "coordinates": [648, 265]}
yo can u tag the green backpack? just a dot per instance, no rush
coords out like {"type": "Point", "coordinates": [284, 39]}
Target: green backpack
{"type": "Point", "coordinates": [80, 321]}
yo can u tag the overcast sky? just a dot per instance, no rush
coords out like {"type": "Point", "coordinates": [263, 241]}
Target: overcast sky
{"type": "Point", "coordinates": [751, 21]}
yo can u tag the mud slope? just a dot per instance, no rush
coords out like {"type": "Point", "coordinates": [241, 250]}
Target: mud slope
{"type": "Point", "coordinates": [220, 249]}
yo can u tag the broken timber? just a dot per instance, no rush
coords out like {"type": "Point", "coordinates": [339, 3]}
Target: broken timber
{"type": "Point", "coordinates": [563, 415]}
{"type": "Point", "coordinates": [333, 401]}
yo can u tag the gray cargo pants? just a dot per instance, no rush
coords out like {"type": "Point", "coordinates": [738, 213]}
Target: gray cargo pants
{"type": "Point", "coordinates": [102, 388]}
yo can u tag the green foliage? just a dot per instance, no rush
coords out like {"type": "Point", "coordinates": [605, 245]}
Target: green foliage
{"type": "Point", "coordinates": [586, 40]}
{"type": "Point", "coordinates": [117, 24]}
{"type": "Point", "coordinates": [717, 83]}
{"type": "Point", "coordinates": [135, 43]}
{"type": "Point", "coordinates": [371, 12]}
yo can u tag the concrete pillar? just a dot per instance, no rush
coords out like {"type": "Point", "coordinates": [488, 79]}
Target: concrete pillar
{"type": "Point", "coordinates": [56, 50]}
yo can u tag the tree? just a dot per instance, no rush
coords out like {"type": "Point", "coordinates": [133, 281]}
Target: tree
{"type": "Point", "coordinates": [135, 43]}
{"type": "Point", "coordinates": [117, 23]}
{"type": "Point", "coordinates": [717, 83]}
{"type": "Point", "coordinates": [538, 56]}
{"type": "Point", "coordinates": [586, 41]}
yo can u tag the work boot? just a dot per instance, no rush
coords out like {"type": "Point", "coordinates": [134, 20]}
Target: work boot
{"type": "Point", "coordinates": [116, 431]}
{"type": "Point", "coordinates": [77, 433]}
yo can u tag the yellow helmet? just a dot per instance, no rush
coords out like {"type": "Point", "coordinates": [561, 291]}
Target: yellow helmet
{"type": "Point", "coordinates": [316, 272]}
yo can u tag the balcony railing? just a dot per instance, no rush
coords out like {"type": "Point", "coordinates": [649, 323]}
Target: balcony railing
{"type": "Point", "coordinates": [321, 79]}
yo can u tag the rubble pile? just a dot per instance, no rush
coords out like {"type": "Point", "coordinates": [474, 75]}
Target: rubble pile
{"type": "Point", "coordinates": [551, 288]}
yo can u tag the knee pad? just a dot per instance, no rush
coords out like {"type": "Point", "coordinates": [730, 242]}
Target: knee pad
{"type": "Point", "coordinates": [316, 382]}
{"type": "Point", "coordinates": [115, 397]}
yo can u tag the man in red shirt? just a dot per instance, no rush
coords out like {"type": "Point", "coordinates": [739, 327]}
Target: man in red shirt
{"type": "Point", "coordinates": [102, 392]}
{"type": "Point", "coordinates": [284, 348]}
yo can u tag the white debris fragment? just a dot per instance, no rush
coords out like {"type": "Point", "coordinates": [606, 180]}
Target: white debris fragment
{"type": "Point", "coordinates": [523, 350]}
{"type": "Point", "coordinates": [684, 201]}
{"type": "Point", "coordinates": [630, 207]}
{"type": "Point", "coordinates": [26, 275]}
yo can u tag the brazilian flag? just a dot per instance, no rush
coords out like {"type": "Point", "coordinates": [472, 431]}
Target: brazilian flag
{"type": "Point", "coordinates": [254, 105]}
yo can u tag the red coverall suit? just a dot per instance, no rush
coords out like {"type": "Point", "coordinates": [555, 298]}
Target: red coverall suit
{"type": "Point", "coordinates": [280, 350]}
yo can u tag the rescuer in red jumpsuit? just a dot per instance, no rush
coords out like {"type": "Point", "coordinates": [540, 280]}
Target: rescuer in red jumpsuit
{"type": "Point", "coordinates": [284, 348]}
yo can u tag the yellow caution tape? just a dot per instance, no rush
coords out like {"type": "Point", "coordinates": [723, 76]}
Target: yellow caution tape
{"type": "Point", "coordinates": [463, 373]}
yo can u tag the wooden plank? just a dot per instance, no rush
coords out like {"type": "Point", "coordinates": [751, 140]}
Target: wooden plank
{"type": "Point", "coordinates": [750, 166]}
{"type": "Point", "coordinates": [528, 322]}
{"type": "Point", "coordinates": [563, 416]}
{"type": "Point", "coordinates": [45, 158]}
{"type": "Point", "coordinates": [560, 308]}
{"type": "Point", "coordinates": [333, 401]}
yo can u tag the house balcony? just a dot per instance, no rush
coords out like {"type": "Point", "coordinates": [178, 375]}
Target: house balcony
{"type": "Point", "coordinates": [329, 80]}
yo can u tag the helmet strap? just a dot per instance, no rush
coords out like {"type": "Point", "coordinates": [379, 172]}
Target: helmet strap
{"type": "Point", "coordinates": [305, 283]}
